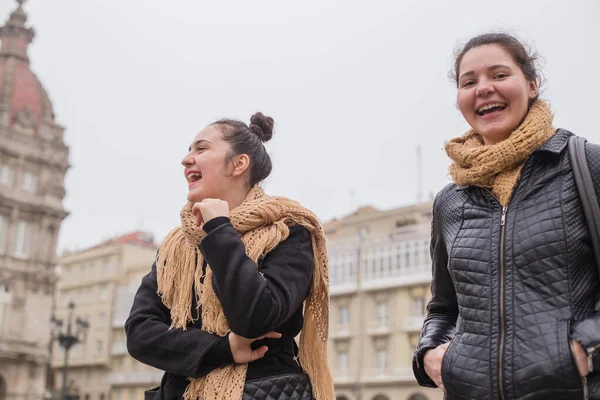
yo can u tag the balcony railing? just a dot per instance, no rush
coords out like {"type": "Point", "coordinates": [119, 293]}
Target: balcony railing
{"type": "Point", "coordinates": [340, 332]}
{"type": "Point", "coordinates": [378, 327]}
{"type": "Point", "coordinates": [395, 374]}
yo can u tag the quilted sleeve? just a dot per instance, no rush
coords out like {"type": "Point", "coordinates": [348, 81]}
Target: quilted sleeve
{"type": "Point", "coordinates": [442, 310]}
{"type": "Point", "coordinates": [587, 331]}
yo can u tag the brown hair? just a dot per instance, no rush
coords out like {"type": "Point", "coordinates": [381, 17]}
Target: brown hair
{"type": "Point", "coordinates": [522, 56]}
{"type": "Point", "coordinates": [249, 140]}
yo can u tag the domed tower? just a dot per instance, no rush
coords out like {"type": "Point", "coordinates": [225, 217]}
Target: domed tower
{"type": "Point", "coordinates": [33, 164]}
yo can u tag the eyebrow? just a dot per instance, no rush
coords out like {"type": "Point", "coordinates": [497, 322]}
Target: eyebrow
{"type": "Point", "coordinates": [492, 68]}
{"type": "Point", "coordinates": [197, 143]}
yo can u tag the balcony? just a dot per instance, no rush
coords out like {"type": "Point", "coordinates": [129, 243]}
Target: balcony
{"type": "Point", "coordinates": [388, 375]}
{"type": "Point", "coordinates": [342, 378]}
{"type": "Point", "coordinates": [136, 378]}
{"type": "Point", "coordinates": [416, 276]}
{"type": "Point", "coordinates": [118, 349]}
{"type": "Point", "coordinates": [342, 288]}
{"type": "Point", "coordinates": [340, 332]}
{"type": "Point", "coordinates": [413, 324]}
{"type": "Point", "coordinates": [378, 328]}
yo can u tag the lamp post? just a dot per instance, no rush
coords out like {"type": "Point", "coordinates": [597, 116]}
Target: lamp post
{"type": "Point", "coordinates": [69, 338]}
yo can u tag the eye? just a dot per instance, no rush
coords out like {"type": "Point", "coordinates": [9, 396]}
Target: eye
{"type": "Point", "coordinates": [501, 75]}
{"type": "Point", "coordinates": [200, 149]}
{"type": "Point", "coordinates": [468, 83]}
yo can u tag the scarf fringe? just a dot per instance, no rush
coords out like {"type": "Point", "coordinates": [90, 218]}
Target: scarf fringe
{"type": "Point", "coordinates": [262, 222]}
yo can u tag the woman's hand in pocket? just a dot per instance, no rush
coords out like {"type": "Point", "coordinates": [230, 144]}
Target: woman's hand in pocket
{"type": "Point", "coordinates": [433, 363]}
{"type": "Point", "coordinates": [580, 357]}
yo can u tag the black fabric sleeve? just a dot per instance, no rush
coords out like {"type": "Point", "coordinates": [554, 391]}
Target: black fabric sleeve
{"type": "Point", "coordinates": [191, 353]}
{"type": "Point", "coordinates": [257, 300]}
{"type": "Point", "coordinates": [442, 310]}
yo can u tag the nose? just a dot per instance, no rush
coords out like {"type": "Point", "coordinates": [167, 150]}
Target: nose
{"type": "Point", "coordinates": [188, 160]}
{"type": "Point", "coordinates": [484, 88]}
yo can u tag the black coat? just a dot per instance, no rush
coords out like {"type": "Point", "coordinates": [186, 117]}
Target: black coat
{"type": "Point", "coordinates": [512, 286]}
{"type": "Point", "coordinates": [254, 302]}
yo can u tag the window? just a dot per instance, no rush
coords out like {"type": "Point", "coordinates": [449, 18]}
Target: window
{"type": "Point", "coordinates": [6, 175]}
{"type": "Point", "coordinates": [117, 394]}
{"type": "Point", "coordinates": [381, 361]}
{"type": "Point", "coordinates": [132, 394]}
{"type": "Point", "coordinates": [417, 306]}
{"type": "Point", "coordinates": [103, 293]}
{"type": "Point", "coordinates": [66, 298]}
{"type": "Point", "coordinates": [5, 300]}
{"type": "Point", "coordinates": [101, 320]}
{"type": "Point", "coordinates": [382, 314]}
{"type": "Point", "coordinates": [29, 182]}
{"type": "Point", "coordinates": [23, 238]}
{"type": "Point", "coordinates": [99, 345]}
{"type": "Point", "coordinates": [426, 254]}
{"type": "Point", "coordinates": [3, 233]}
{"type": "Point", "coordinates": [344, 316]}
{"type": "Point", "coordinates": [343, 362]}
{"type": "Point", "coordinates": [106, 265]}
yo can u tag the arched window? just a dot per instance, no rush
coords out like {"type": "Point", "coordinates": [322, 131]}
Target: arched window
{"type": "Point", "coordinates": [381, 397]}
{"type": "Point", "coordinates": [417, 396]}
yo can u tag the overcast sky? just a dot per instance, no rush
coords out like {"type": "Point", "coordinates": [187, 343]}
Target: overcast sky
{"type": "Point", "coordinates": [353, 86]}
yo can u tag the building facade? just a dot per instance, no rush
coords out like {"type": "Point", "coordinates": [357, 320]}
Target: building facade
{"type": "Point", "coordinates": [380, 277]}
{"type": "Point", "coordinates": [101, 281]}
{"type": "Point", "coordinates": [33, 164]}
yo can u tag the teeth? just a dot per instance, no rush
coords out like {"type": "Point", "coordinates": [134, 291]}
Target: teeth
{"type": "Point", "coordinates": [487, 107]}
{"type": "Point", "coordinates": [195, 176]}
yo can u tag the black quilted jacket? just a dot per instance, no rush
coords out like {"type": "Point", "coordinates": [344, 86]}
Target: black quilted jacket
{"type": "Point", "coordinates": [511, 286]}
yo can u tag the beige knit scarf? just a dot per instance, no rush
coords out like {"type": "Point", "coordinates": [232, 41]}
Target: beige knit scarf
{"type": "Point", "coordinates": [497, 167]}
{"type": "Point", "coordinates": [262, 223]}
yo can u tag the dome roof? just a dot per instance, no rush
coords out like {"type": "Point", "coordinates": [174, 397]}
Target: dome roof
{"type": "Point", "coordinates": [23, 100]}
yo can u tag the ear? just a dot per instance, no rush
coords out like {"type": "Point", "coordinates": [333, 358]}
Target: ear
{"type": "Point", "coordinates": [533, 89]}
{"type": "Point", "coordinates": [241, 163]}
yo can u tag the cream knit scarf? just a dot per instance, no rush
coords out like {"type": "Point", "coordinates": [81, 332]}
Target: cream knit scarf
{"type": "Point", "coordinates": [262, 223]}
{"type": "Point", "coordinates": [498, 166]}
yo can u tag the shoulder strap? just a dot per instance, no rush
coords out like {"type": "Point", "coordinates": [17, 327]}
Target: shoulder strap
{"type": "Point", "coordinates": [587, 194]}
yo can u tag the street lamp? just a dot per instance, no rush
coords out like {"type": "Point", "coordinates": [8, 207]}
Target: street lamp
{"type": "Point", "coordinates": [69, 338]}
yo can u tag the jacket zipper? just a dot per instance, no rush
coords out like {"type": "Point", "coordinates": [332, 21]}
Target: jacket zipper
{"type": "Point", "coordinates": [501, 355]}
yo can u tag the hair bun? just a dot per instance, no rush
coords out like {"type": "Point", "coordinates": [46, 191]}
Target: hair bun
{"type": "Point", "coordinates": [262, 126]}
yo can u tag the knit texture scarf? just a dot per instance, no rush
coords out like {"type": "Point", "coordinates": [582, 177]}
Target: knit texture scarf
{"type": "Point", "coordinates": [262, 223]}
{"type": "Point", "coordinates": [497, 167]}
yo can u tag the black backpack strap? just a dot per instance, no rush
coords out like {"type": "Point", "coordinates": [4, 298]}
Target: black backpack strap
{"type": "Point", "coordinates": [587, 192]}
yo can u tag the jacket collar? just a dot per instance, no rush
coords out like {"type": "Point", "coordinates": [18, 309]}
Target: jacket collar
{"type": "Point", "coordinates": [553, 147]}
{"type": "Point", "coordinates": [556, 144]}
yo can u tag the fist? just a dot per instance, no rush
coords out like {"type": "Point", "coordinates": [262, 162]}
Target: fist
{"type": "Point", "coordinates": [208, 209]}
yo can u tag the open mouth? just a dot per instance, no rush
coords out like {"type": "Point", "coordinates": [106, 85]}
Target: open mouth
{"type": "Point", "coordinates": [194, 177]}
{"type": "Point", "coordinates": [490, 108]}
